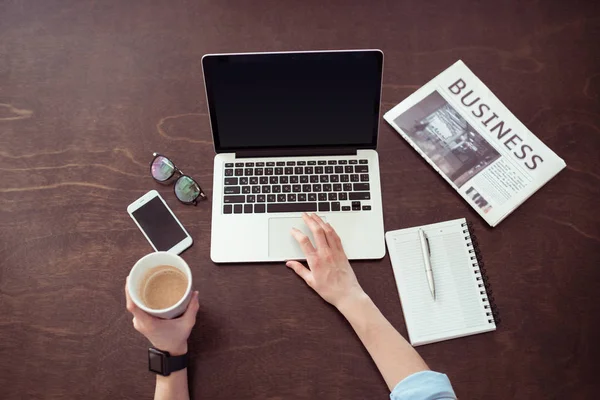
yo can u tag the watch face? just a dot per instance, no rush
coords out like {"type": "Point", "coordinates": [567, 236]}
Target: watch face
{"type": "Point", "coordinates": [155, 361]}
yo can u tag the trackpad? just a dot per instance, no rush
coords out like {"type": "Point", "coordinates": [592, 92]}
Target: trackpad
{"type": "Point", "coordinates": [282, 244]}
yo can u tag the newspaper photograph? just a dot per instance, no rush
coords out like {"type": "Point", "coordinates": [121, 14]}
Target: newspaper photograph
{"type": "Point", "coordinates": [474, 142]}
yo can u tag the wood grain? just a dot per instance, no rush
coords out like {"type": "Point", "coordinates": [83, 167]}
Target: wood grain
{"type": "Point", "coordinates": [88, 89]}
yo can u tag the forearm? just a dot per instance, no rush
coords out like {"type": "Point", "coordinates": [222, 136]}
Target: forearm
{"type": "Point", "coordinates": [394, 356]}
{"type": "Point", "coordinates": [172, 387]}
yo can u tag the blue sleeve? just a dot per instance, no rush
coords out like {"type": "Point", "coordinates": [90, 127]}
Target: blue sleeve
{"type": "Point", "coordinates": [424, 385]}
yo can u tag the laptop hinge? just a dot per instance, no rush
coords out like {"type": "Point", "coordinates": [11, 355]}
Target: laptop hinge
{"type": "Point", "coordinates": [290, 152]}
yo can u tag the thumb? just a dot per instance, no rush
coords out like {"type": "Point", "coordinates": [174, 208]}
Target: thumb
{"type": "Point", "coordinates": [300, 270]}
{"type": "Point", "coordinates": [192, 309]}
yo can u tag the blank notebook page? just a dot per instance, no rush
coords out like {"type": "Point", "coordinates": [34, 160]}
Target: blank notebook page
{"type": "Point", "coordinates": [459, 308]}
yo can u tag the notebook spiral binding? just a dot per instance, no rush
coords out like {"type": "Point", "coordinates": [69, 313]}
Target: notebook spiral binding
{"type": "Point", "coordinates": [485, 289]}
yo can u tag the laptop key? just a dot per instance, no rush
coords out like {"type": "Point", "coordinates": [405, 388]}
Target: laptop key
{"type": "Point", "coordinates": [360, 196]}
{"type": "Point", "coordinates": [321, 162]}
{"type": "Point", "coordinates": [234, 199]}
{"type": "Point", "coordinates": [343, 196]}
{"type": "Point", "coordinates": [239, 164]}
{"type": "Point", "coordinates": [339, 169]}
{"type": "Point", "coordinates": [237, 209]}
{"type": "Point", "coordinates": [318, 170]}
{"type": "Point", "coordinates": [363, 161]}
{"type": "Point", "coordinates": [245, 189]}
{"type": "Point", "coordinates": [243, 180]}
{"type": "Point", "coordinates": [268, 171]}
{"type": "Point", "coordinates": [286, 188]}
{"type": "Point", "coordinates": [278, 171]}
{"type": "Point", "coordinates": [327, 187]}
{"type": "Point", "coordinates": [249, 164]}
{"type": "Point", "coordinates": [344, 178]}
{"type": "Point", "coordinates": [276, 188]}
{"type": "Point", "coordinates": [322, 196]}
{"type": "Point", "coordinates": [251, 198]}
{"type": "Point", "coordinates": [312, 197]}
{"type": "Point", "coordinates": [301, 196]}
{"type": "Point", "coordinates": [291, 207]}
{"type": "Point", "coordinates": [316, 188]}
{"type": "Point", "coordinates": [348, 169]}
{"type": "Point", "coordinates": [332, 162]}
{"type": "Point", "coordinates": [334, 178]}
{"type": "Point", "coordinates": [366, 208]}
{"type": "Point", "coordinates": [271, 198]}
{"type": "Point", "coordinates": [293, 179]}
{"type": "Point", "coordinates": [335, 206]}
{"type": "Point", "coordinates": [354, 178]}
{"type": "Point", "coordinates": [291, 197]}
{"type": "Point", "coordinates": [309, 170]}
{"type": "Point", "coordinates": [229, 165]}
{"type": "Point", "coordinates": [298, 170]}
{"type": "Point", "coordinates": [290, 163]}
{"type": "Point", "coordinates": [337, 187]}
{"type": "Point", "coordinates": [231, 181]}
{"type": "Point", "coordinates": [346, 208]}
{"type": "Point", "coordinates": [347, 187]}
{"type": "Point", "coordinates": [264, 180]}
{"type": "Point", "coordinates": [258, 171]}
{"type": "Point", "coordinates": [332, 196]}
{"type": "Point", "coordinates": [259, 208]}
{"type": "Point", "coordinates": [227, 209]}
{"type": "Point", "coordinates": [231, 190]}
{"type": "Point", "coordinates": [361, 169]}
{"type": "Point", "coordinates": [284, 179]}
{"type": "Point", "coordinates": [364, 177]}
{"type": "Point", "coordinates": [306, 188]}
{"type": "Point", "coordinates": [239, 172]}
{"type": "Point", "coordinates": [304, 179]}
{"type": "Point", "coordinates": [359, 187]}
{"type": "Point", "coordinates": [273, 180]}
{"type": "Point", "coordinates": [261, 198]}
{"type": "Point", "coordinates": [329, 169]}
{"type": "Point", "coordinates": [314, 179]}
{"type": "Point", "coordinates": [343, 162]}
{"type": "Point", "coordinates": [281, 198]}
{"type": "Point", "coordinates": [296, 188]}
{"type": "Point", "coordinates": [254, 180]}
{"type": "Point", "coordinates": [323, 206]}
{"type": "Point", "coordinates": [255, 189]}
{"type": "Point", "coordinates": [324, 178]}
{"type": "Point", "coordinates": [266, 189]}
{"type": "Point", "coordinates": [228, 172]}
{"type": "Point", "coordinates": [260, 164]}
{"type": "Point", "coordinates": [312, 163]}
{"type": "Point", "coordinates": [356, 206]}
{"type": "Point", "coordinates": [247, 208]}
{"type": "Point", "coordinates": [301, 163]}
{"type": "Point", "coordinates": [248, 171]}
{"type": "Point", "coordinates": [289, 170]}
{"type": "Point", "coordinates": [271, 164]}
{"type": "Point", "coordinates": [281, 163]}
{"type": "Point", "coordinates": [353, 162]}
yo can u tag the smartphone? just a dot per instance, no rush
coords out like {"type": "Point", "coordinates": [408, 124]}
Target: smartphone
{"type": "Point", "coordinates": [158, 223]}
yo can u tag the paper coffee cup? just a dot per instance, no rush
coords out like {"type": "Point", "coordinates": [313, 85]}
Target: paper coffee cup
{"type": "Point", "coordinates": [153, 260]}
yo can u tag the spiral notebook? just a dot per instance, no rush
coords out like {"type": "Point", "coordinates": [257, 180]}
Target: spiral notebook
{"type": "Point", "coordinates": [462, 306]}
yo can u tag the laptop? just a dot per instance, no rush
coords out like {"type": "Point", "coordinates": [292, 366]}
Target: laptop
{"type": "Point", "coordinates": [294, 132]}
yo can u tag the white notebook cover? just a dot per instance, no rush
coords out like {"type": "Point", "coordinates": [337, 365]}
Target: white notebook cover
{"type": "Point", "coordinates": [461, 306]}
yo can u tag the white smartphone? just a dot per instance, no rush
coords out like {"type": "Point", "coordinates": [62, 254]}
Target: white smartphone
{"type": "Point", "coordinates": [158, 223]}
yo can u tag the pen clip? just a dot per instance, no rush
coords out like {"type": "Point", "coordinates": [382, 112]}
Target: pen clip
{"type": "Point", "coordinates": [428, 247]}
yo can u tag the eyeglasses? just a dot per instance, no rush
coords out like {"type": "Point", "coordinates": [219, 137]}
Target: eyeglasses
{"type": "Point", "coordinates": [186, 189]}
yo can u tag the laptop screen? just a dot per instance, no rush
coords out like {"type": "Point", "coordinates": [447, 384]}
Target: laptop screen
{"type": "Point", "coordinates": [294, 100]}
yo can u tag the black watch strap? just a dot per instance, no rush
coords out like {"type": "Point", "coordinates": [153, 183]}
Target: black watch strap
{"type": "Point", "coordinates": [163, 363]}
{"type": "Point", "coordinates": [176, 363]}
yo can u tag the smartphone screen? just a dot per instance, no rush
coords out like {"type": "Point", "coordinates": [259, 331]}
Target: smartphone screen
{"type": "Point", "coordinates": [159, 225]}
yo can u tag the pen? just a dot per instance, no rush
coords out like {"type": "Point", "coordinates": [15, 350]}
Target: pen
{"type": "Point", "coordinates": [426, 258]}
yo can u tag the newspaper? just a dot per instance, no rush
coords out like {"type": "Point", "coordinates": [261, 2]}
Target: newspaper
{"type": "Point", "coordinates": [470, 138]}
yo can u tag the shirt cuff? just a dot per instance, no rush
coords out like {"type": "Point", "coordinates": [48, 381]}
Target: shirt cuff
{"type": "Point", "coordinates": [424, 385]}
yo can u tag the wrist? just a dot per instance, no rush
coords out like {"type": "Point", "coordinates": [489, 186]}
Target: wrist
{"type": "Point", "coordinates": [352, 302]}
{"type": "Point", "coordinates": [174, 350]}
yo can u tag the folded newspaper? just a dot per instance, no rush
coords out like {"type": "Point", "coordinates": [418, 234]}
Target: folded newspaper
{"type": "Point", "coordinates": [470, 138]}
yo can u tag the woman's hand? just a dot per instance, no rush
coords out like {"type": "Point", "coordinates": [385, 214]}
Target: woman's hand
{"type": "Point", "coordinates": [165, 334]}
{"type": "Point", "coordinates": [330, 273]}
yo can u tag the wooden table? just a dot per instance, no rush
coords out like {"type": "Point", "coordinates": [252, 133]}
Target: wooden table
{"type": "Point", "coordinates": [88, 89]}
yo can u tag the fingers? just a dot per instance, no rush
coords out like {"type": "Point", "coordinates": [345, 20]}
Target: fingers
{"type": "Point", "coordinates": [333, 240]}
{"type": "Point", "coordinates": [138, 314]}
{"type": "Point", "coordinates": [304, 242]}
{"type": "Point", "coordinates": [300, 270]}
{"type": "Point", "coordinates": [317, 231]}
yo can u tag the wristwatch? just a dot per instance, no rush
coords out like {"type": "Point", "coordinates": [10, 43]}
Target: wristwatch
{"type": "Point", "coordinates": [163, 363]}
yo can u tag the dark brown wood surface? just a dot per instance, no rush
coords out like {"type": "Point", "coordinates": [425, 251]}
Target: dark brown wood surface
{"type": "Point", "coordinates": [88, 89]}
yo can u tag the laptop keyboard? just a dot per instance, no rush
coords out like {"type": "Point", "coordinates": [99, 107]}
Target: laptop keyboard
{"type": "Point", "coordinates": [296, 186]}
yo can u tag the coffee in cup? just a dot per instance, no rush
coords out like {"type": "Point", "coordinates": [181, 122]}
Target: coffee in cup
{"type": "Point", "coordinates": [160, 284]}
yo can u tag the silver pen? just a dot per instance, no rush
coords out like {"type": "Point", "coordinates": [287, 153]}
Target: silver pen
{"type": "Point", "coordinates": [426, 258]}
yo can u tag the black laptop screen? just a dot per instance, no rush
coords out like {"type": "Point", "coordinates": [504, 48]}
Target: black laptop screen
{"type": "Point", "coordinates": [294, 100]}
